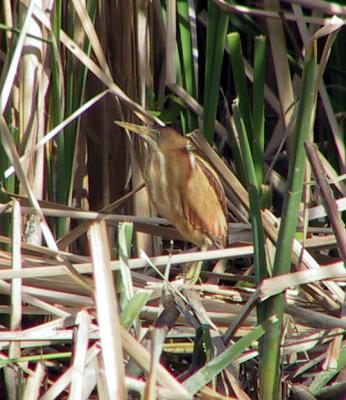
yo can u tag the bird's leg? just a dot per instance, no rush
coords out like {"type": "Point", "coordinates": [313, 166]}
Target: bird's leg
{"type": "Point", "coordinates": [195, 269]}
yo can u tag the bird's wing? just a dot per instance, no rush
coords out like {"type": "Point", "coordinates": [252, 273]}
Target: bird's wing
{"type": "Point", "coordinates": [204, 202]}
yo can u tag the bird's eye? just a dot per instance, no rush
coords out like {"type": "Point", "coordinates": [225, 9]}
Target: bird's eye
{"type": "Point", "coordinates": [157, 134]}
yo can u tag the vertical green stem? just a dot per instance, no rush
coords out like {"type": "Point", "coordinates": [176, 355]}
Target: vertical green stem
{"type": "Point", "coordinates": [234, 45]}
{"type": "Point", "coordinates": [216, 33]}
{"type": "Point", "coordinates": [255, 205]}
{"type": "Point", "coordinates": [258, 107]}
{"type": "Point", "coordinates": [270, 368]}
{"type": "Point", "coordinates": [186, 58]}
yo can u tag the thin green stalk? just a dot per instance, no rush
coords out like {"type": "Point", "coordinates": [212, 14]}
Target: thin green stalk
{"type": "Point", "coordinates": [234, 144]}
{"type": "Point", "coordinates": [10, 186]}
{"type": "Point", "coordinates": [236, 57]}
{"type": "Point", "coordinates": [255, 205]}
{"type": "Point", "coordinates": [270, 368]}
{"type": "Point", "coordinates": [258, 107]}
{"type": "Point", "coordinates": [186, 59]}
{"type": "Point", "coordinates": [57, 111]}
{"type": "Point", "coordinates": [6, 28]}
{"type": "Point", "coordinates": [216, 34]}
{"type": "Point", "coordinates": [77, 92]}
{"type": "Point", "coordinates": [67, 138]}
{"type": "Point", "coordinates": [37, 358]}
{"type": "Point", "coordinates": [56, 106]}
{"type": "Point", "coordinates": [74, 92]}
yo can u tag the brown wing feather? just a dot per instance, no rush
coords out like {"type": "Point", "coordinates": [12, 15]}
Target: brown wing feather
{"type": "Point", "coordinates": [214, 181]}
{"type": "Point", "coordinates": [205, 203]}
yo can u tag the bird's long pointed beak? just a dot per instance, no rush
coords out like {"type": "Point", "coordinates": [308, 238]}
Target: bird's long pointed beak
{"type": "Point", "coordinates": [143, 131]}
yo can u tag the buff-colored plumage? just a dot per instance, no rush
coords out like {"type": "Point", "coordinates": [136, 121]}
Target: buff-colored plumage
{"type": "Point", "coordinates": [183, 186]}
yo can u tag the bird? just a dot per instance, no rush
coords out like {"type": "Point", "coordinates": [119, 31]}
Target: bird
{"type": "Point", "coordinates": [182, 185]}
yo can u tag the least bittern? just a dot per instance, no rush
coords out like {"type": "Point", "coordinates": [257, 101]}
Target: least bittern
{"type": "Point", "coordinates": [183, 187]}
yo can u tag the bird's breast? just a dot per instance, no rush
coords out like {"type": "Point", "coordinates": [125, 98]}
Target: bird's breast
{"type": "Point", "coordinates": [163, 178]}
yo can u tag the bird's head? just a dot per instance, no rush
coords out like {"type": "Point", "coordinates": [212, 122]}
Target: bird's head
{"type": "Point", "coordinates": [160, 137]}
